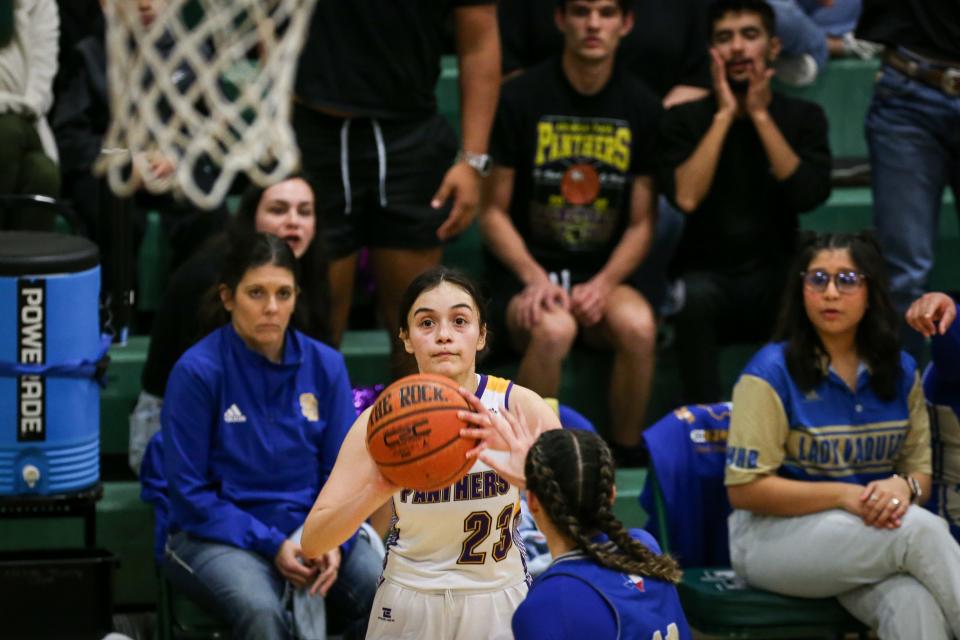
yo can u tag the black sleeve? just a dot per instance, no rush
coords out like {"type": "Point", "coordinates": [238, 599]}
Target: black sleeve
{"type": "Point", "coordinates": [512, 42]}
{"type": "Point", "coordinates": [505, 136]}
{"type": "Point", "coordinates": [696, 62]}
{"type": "Point", "coordinates": [176, 325]}
{"type": "Point", "coordinates": [78, 141]}
{"type": "Point", "coordinates": [678, 139]}
{"type": "Point", "coordinates": [810, 183]}
{"type": "Point", "coordinates": [643, 159]}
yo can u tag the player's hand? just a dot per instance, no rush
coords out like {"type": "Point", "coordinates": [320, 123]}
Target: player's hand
{"type": "Point", "coordinates": [289, 562]}
{"type": "Point", "coordinates": [480, 427]}
{"type": "Point", "coordinates": [505, 428]}
{"type": "Point", "coordinates": [328, 566]}
{"type": "Point", "coordinates": [726, 101]}
{"type": "Point", "coordinates": [932, 314]}
{"type": "Point", "coordinates": [885, 501]}
{"type": "Point", "coordinates": [588, 301]}
{"type": "Point", "coordinates": [462, 183]}
{"type": "Point", "coordinates": [759, 93]}
{"type": "Point", "coordinates": [539, 297]}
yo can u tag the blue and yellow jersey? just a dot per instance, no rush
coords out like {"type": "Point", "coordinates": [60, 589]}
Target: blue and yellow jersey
{"type": "Point", "coordinates": [831, 432]}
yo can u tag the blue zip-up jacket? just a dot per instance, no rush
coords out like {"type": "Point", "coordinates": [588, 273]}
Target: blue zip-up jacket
{"type": "Point", "coordinates": [249, 443]}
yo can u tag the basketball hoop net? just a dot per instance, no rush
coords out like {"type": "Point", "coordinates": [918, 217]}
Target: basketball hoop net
{"type": "Point", "coordinates": [205, 88]}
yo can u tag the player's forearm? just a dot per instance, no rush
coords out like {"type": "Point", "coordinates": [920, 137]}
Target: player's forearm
{"type": "Point", "coordinates": [329, 525]}
{"type": "Point", "coordinates": [776, 496]}
{"type": "Point", "coordinates": [695, 176]}
{"type": "Point", "coordinates": [783, 160]}
{"type": "Point", "coordinates": [478, 50]}
{"type": "Point", "coordinates": [505, 243]}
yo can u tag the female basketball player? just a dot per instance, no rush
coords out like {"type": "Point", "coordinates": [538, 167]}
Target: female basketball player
{"type": "Point", "coordinates": [452, 568]}
{"type": "Point", "coordinates": [604, 581]}
{"type": "Point", "coordinates": [828, 454]}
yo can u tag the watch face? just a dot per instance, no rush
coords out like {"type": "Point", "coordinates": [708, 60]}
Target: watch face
{"type": "Point", "coordinates": [481, 162]}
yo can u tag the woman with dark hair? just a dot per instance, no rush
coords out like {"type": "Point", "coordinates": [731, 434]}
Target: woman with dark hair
{"type": "Point", "coordinates": [253, 418]}
{"type": "Point", "coordinates": [452, 569]}
{"type": "Point", "coordinates": [286, 210]}
{"type": "Point", "coordinates": [605, 581]}
{"type": "Point", "coordinates": [829, 451]}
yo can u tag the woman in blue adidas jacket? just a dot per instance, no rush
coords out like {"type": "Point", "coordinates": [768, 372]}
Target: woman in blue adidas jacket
{"type": "Point", "coordinates": [253, 419]}
{"type": "Point", "coordinates": [605, 581]}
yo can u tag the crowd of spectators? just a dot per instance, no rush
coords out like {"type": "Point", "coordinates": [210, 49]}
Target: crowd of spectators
{"type": "Point", "coordinates": [630, 164]}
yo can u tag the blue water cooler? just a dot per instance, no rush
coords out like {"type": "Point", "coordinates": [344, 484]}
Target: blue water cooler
{"type": "Point", "coordinates": [50, 349]}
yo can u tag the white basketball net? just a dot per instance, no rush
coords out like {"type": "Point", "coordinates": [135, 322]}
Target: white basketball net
{"type": "Point", "coordinates": [233, 117]}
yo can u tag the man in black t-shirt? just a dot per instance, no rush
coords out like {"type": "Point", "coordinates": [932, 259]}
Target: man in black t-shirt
{"type": "Point", "coordinates": [570, 211]}
{"type": "Point", "coordinates": [384, 162]}
{"type": "Point", "coordinates": [913, 132]}
{"type": "Point", "coordinates": [742, 162]}
{"type": "Point", "coordinates": [665, 48]}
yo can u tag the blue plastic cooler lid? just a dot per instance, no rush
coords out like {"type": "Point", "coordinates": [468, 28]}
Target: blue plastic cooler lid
{"type": "Point", "coordinates": [39, 253]}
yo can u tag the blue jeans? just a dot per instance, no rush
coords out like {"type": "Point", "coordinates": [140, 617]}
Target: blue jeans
{"type": "Point", "coordinates": [913, 132]}
{"type": "Point", "coordinates": [245, 589]}
{"type": "Point", "coordinates": [803, 25]}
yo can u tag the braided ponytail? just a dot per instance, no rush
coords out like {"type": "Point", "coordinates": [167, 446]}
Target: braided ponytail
{"type": "Point", "coordinates": [578, 502]}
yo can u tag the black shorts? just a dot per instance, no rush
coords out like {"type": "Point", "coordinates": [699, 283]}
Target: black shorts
{"type": "Point", "coordinates": [374, 178]}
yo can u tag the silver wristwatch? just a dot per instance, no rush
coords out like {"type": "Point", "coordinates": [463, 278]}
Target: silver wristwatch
{"type": "Point", "coordinates": [915, 491]}
{"type": "Point", "coordinates": [481, 162]}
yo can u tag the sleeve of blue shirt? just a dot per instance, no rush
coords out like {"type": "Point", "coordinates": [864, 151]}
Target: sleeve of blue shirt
{"type": "Point", "coordinates": [561, 607]}
{"type": "Point", "coordinates": [945, 352]}
{"type": "Point", "coordinates": [188, 419]}
{"type": "Point", "coordinates": [340, 415]}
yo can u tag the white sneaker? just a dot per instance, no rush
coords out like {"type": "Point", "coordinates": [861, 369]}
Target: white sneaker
{"type": "Point", "coordinates": [862, 49]}
{"type": "Point", "coordinates": [799, 71]}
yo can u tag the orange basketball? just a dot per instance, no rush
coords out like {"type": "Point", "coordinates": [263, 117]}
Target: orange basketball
{"type": "Point", "coordinates": [413, 433]}
{"type": "Point", "coordinates": [580, 184]}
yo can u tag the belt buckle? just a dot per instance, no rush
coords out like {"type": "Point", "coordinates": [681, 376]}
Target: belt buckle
{"type": "Point", "coordinates": [950, 81]}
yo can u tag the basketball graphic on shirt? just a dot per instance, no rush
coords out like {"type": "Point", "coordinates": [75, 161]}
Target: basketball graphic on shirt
{"type": "Point", "coordinates": [580, 184]}
{"type": "Point", "coordinates": [413, 433]}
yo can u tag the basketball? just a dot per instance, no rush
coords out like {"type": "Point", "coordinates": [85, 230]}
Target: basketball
{"type": "Point", "coordinates": [413, 433]}
{"type": "Point", "coordinates": [580, 184]}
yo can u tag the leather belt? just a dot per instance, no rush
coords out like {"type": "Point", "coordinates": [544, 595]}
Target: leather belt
{"type": "Point", "coordinates": [937, 75]}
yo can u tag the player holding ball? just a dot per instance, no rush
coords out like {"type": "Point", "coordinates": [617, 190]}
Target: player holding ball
{"type": "Point", "coordinates": [452, 569]}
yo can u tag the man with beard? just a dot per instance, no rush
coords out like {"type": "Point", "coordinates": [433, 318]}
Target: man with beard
{"type": "Point", "coordinates": [742, 163]}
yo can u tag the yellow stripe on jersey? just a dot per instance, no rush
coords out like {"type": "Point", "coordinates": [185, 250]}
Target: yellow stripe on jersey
{"type": "Point", "coordinates": [866, 427]}
{"type": "Point", "coordinates": [497, 385]}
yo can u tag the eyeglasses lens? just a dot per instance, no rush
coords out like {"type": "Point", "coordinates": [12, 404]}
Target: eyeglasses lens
{"type": "Point", "coordinates": [845, 281]}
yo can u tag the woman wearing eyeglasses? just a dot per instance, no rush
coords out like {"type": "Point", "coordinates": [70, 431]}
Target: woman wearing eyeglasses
{"type": "Point", "coordinates": [829, 452]}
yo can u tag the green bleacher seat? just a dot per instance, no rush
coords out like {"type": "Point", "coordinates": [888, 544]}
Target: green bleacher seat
{"type": "Point", "coordinates": [120, 396]}
{"type": "Point", "coordinates": [448, 92]}
{"type": "Point", "coordinates": [153, 262]}
{"type": "Point", "coordinates": [125, 527]}
{"type": "Point", "coordinates": [368, 356]}
{"type": "Point", "coordinates": [627, 504]}
{"type": "Point", "coordinates": [844, 90]}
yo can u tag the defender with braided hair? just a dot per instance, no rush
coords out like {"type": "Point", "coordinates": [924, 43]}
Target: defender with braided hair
{"type": "Point", "coordinates": [605, 581]}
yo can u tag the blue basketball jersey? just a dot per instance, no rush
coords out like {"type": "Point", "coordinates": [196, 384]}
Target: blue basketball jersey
{"type": "Point", "coordinates": [578, 598]}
